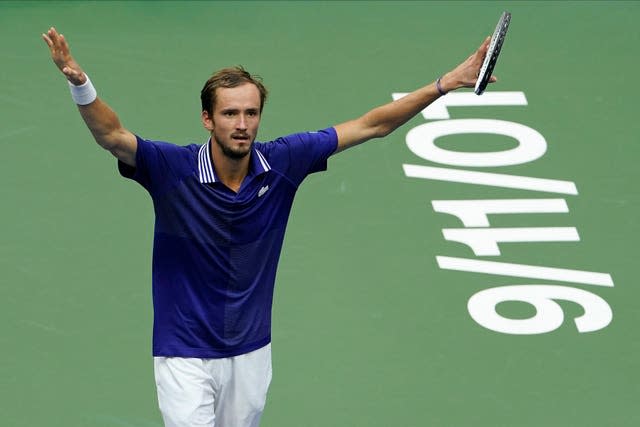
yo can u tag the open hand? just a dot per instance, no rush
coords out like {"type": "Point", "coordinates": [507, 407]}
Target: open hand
{"type": "Point", "coordinates": [61, 56]}
{"type": "Point", "coordinates": [466, 74]}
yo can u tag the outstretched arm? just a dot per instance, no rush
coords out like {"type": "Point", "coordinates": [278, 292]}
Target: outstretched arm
{"type": "Point", "coordinates": [383, 120]}
{"type": "Point", "coordinates": [101, 120]}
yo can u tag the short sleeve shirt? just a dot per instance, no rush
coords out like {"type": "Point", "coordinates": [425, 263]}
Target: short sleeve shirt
{"type": "Point", "coordinates": [215, 252]}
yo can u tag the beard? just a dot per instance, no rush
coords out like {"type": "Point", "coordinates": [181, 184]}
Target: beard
{"type": "Point", "coordinates": [231, 152]}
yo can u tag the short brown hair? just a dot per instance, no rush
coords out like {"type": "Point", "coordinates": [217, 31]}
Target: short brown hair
{"type": "Point", "coordinates": [229, 77]}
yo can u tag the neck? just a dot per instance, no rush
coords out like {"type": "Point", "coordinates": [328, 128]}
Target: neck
{"type": "Point", "coordinates": [231, 172]}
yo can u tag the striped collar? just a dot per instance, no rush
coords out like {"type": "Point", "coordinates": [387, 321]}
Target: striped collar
{"type": "Point", "coordinates": [206, 172]}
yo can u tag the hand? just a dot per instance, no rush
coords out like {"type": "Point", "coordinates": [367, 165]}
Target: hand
{"type": "Point", "coordinates": [466, 74]}
{"type": "Point", "coordinates": [62, 57]}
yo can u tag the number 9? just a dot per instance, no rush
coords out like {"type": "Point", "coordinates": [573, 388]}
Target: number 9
{"type": "Point", "coordinates": [549, 315]}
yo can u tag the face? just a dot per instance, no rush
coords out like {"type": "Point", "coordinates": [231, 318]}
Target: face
{"type": "Point", "coordinates": [235, 119]}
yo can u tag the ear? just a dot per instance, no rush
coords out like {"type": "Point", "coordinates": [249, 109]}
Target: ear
{"type": "Point", "coordinates": [207, 121]}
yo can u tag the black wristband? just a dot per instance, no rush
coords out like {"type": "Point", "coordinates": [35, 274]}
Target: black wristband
{"type": "Point", "coordinates": [439, 87]}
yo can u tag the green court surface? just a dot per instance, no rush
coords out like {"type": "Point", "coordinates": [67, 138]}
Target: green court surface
{"type": "Point", "coordinates": [369, 329]}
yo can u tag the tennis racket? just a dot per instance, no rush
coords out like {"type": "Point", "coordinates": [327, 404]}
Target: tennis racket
{"type": "Point", "coordinates": [492, 53]}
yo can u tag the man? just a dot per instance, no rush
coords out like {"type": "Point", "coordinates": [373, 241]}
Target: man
{"type": "Point", "coordinates": [221, 212]}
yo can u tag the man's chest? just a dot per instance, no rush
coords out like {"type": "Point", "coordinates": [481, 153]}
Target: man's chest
{"type": "Point", "coordinates": [214, 212]}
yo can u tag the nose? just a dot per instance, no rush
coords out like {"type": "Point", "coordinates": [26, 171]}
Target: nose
{"type": "Point", "coordinates": [242, 122]}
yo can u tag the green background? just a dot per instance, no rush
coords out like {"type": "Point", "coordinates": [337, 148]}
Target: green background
{"type": "Point", "coordinates": [368, 331]}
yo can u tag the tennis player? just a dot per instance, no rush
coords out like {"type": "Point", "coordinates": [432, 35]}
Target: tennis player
{"type": "Point", "coordinates": [221, 212]}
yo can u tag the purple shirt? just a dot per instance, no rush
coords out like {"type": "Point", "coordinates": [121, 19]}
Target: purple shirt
{"type": "Point", "coordinates": [215, 252]}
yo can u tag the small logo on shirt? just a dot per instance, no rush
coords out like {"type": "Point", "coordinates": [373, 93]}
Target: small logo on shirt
{"type": "Point", "coordinates": [263, 190]}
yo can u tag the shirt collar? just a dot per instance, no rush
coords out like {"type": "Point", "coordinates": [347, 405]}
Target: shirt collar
{"type": "Point", "coordinates": [206, 172]}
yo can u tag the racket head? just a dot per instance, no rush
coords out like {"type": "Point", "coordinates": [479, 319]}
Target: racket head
{"type": "Point", "coordinates": [497, 39]}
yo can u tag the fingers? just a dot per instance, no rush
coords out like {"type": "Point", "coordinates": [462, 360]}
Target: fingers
{"type": "Point", "coordinates": [71, 73]}
{"type": "Point", "coordinates": [55, 41]}
{"type": "Point", "coordinates": [50, 38]}
{"type": "Point", "coordinates": [63, 43]}
{"type": "Point", "coordinates": [53, 35]}
{"type": "Point", "coordinates": [58, 47]}
{"type": "Point", "coordinates": [61, 56]}
{"type": "Point", "coordinates": [484, 47]}
{"type": "Point", "coordinates": [47, 40]}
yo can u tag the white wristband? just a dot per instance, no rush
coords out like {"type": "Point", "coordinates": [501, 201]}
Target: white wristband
{"type": "Point", "coordinates": [83, 94]}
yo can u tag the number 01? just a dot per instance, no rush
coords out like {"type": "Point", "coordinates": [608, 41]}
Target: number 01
{"type": "Point", "coordinates": [549, 315]}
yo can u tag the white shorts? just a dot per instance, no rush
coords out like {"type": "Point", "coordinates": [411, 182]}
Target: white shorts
{"type": "Point", "coordinates": [229, 392]}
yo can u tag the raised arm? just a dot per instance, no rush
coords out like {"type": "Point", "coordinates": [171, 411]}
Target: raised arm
{"type": "Point", "coordinates": [101, 120]}
{"type": "Point", "coordinates": [383, 120]}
